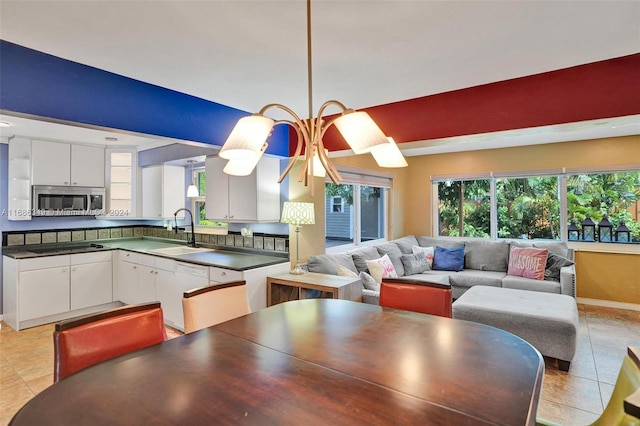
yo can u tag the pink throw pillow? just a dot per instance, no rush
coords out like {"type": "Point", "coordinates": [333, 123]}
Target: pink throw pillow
{"type": "Point", "coordinates": [527, 262]}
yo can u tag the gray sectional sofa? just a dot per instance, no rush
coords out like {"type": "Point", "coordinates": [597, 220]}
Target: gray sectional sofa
{"type": "Point", "coordinates": [485, 263]}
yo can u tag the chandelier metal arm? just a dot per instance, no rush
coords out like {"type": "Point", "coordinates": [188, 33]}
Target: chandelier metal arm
{"type": "Point", "coordinates": [296, 155]}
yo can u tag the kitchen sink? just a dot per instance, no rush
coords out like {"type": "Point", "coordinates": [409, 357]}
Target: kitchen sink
{"type": "Point", "coordinates": [175, 251]}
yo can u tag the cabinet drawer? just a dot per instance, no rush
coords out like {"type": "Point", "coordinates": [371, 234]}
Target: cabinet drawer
{"type": "Point", "coordinates": [44, 262]}
{"type": "Point", "coordinates": [165, 264]}
{"type": "Point", "coordinates": [100, 256]}
{"type": "Point", "coordinates": [128, 256]}
{"type": "Point", "coordinates": [144, 259]}
{"type": "Point", "coordinates": [221, 275]}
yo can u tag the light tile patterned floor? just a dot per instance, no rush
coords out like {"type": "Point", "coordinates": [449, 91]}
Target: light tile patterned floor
{"type": "Point", "coordinates": [576, 397]}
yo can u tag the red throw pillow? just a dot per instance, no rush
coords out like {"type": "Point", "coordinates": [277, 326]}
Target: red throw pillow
{"type": "Point", "coordinates": [527, 262]}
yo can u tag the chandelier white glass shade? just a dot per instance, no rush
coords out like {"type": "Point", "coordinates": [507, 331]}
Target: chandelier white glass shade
{"type": "Point", "coordinates": [298, 214]}
{"type": "Point", "coordinates": [247, 137]}
{"type": "Point", "coordinates": [244, 166]}
{"type": "Point", "coordinates": [389, 155]}
{"type": "Point", "coordinates": [357, 127]}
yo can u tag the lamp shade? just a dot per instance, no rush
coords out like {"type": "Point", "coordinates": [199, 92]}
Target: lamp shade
{"type": "Point", "coordinates": [192, 191]}
{"type": "Point", "coordinates": [360, 131]}
{"type": "Point", "coordinates": [298, 213]}
{"type": "Point", "coordinates": [388, 155]}
{"type": "Point", "coordinates": [318, 168]}
{"type": "Point", "coordinates": [244, 166]}
{"type": "Point", "coordinates": [247, 137]}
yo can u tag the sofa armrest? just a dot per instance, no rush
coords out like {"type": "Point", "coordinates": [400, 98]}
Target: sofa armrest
{"type": "Point", "coordinates": [568, 280]}
{"type": "Point", "coordinates": [371, 297]}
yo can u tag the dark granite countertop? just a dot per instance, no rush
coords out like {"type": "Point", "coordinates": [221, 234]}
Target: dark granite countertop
{"type": "Point", "coordinates": [209, 256]}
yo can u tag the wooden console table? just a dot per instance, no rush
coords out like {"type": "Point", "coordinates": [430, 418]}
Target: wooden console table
{"type": "Point", "coordinates": [284, 288]}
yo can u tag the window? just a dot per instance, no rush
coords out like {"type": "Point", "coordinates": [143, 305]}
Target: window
{"type": "Point", "coordinates": [198, 204]}
{"type": "Point", "coordinates": [528, 208]}
{"type": "Point", "coordinates": [464, 208]}
{"type": "Point", "coordinates": [356, 209]}
{"type": "Point", "coordinates": [534, 207]}
{"type": "Point", "coordinates": [615, 194]}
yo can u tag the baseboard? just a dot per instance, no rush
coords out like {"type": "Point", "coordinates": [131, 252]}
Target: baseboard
{"type": "Point", "coordinates": [609, 304]}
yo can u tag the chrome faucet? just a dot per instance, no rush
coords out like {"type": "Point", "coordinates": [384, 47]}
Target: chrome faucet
{"type": "Point", "coordinates": [190, 241]}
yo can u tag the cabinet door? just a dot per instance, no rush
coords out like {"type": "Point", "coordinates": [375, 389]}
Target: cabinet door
{"type": "Point", "coordinates": [87, 165]}
{"type": "Point", "coordinates": [217, 191]}
{"type": "Point", "coordinates": [51, 163]}
{"type": "Point", "coordinates": [128, 282]}
{"type": "Point", "coordinates": [91, 285]}
{"type": "Point", "coordinates": [171, 301]}
{"type": "Point", "coordinates": [43, 292]}
{"type": "Point", "coordinates": [243, 200]}
{"type": "Point", "coordinates": [152, 192]}
{"type": "Point", "coordinates": [146, 284]}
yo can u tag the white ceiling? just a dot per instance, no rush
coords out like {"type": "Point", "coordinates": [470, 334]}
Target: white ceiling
{"type": "Point", "coordinates": [246, 54]}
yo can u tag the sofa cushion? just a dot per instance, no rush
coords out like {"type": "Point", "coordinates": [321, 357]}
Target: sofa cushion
{"type": "Point", "coordinates": [522, 283]}
{"type": "Point", "coordinates": [405, 243]}
{"type": "Point", "coordinates": [447, 242]}
{"type": "Point", "coordinates": [559, 248]}
{"type": "Point", "coordinates": [369, 282]}
{"type": "Point", "coordinates": [470, 277]}
{"type": "Point", "coordinates": [394, 253]}
{"type": "Point", "coordinates": [527, 262]}
{"type": "Point", "coordinates": [381, 268]}
{"type": "Point", "coordinates": [486, 255]}
{"type": "Point", "coordinates": [414, 263]}
{"type": "Point", "coordinates": [328, 263]}
{"type": "Point", "coordinates": [427, 252]}
{"type": "Point", "coordinates": [554, 264]}
{"type": "Point", "coordinates": [361, 256]}
{"type": "Point", "coordinates": [448, 259]}
{"type": "Point", "coordinates": [343, 271]}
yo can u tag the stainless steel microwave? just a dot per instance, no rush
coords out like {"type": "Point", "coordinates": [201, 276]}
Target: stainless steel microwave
{"type": "Point", "coordinates": [67, 201]}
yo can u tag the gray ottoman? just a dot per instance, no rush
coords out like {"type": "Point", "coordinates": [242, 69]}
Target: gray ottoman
{"type": "Point", "coordinates": [546, 320]}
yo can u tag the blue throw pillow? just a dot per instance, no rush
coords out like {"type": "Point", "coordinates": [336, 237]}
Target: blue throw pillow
{"type": "Point", "coordinates": [448, 259]}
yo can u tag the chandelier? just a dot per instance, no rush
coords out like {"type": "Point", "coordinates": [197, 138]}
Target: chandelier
{"type": "Point", "coordinates": [247, 141]}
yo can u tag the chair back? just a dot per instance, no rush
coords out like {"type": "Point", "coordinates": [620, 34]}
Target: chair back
{"type": "Point", "coordinates": [417, 296]}
{"type": "Point", "coordinates": [623, 408]}
{"type": "Point", "coordinates": [207, 306]}
{"type": "Point", "coordinates": [87, 340]}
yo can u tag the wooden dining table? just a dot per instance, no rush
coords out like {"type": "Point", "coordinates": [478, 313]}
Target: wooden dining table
{"type": "Point", "coordinates": [309, 362]}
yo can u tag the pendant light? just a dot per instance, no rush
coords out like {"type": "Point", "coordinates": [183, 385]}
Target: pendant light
{"type": "Point", "coordinates": [192, 190]}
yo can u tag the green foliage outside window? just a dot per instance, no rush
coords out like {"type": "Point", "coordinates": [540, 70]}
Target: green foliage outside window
{"type": "Point", "coordinates": [530, 207]}
{"type": "Point", "coordinates": [612, 194]}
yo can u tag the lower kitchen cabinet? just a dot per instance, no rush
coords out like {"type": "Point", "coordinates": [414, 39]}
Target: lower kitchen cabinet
{"type": "Point", "coordinates": [91, 279]}
{"type": "Point", "coordinates": [187, 277]}
{"type": "Point", "coordinates": [46, 289]}
{"type": "Point", "coordinates": [139, 274]}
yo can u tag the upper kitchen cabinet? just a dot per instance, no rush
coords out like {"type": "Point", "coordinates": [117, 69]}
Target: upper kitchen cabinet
{"type": "Point", "coordinates": [163, 191]}
{"type": "Point", "coordinates": [253, 198]}
{"type": "Point", "coordinates": [59, 163]}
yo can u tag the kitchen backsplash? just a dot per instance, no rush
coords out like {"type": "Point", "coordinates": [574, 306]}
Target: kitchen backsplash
{"type": "Point", "coordinates": [267, 242]}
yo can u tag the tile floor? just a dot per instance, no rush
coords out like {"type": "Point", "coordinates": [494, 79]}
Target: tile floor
{"type": "Point", "coordinates": [573, 398]}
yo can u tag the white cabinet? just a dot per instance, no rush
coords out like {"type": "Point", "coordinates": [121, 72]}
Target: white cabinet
{"type": "Point", "coordinates": [163, 191]}
{"type": "Point", "coordinates": [256, 281]}
{"type": "Point", "coordinates": [52, 288]}
{"type": "Point", "coordinates": [140, 276]}
{"type": "Point", "coordinates": [170, 293]}
{"type": "Point", "coordinates": [43, 287]}
{"type": "Point", "coordinates": [19, 190]}
{"type": "Point", "coordinates": [91, 279]}
{"type": "Point", "coordinates": [87, 166]}
{"type": "Point", "coordinates": [253, 198]}
{"type": "Point", "coordinates": [59, 163]}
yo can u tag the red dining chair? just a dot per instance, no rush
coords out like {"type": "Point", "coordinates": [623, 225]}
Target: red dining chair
{"type": "Point", "coordinates": [87, 340]}
{"type": "Point", "coordinates": [417, 296]}
{"type": "Point", "coordinates": [207, 306]}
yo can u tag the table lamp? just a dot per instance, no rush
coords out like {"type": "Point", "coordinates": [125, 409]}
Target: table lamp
{"type": "Point", "coordinates": [298, 213]}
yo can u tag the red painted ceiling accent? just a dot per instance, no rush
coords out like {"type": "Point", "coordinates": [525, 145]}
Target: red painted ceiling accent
{"type": "Point", "coordinates": [603, 89]}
